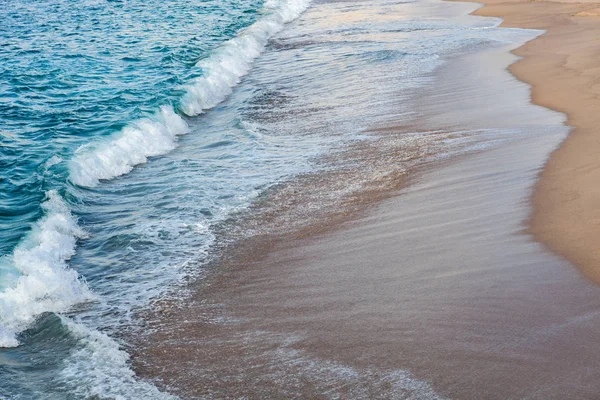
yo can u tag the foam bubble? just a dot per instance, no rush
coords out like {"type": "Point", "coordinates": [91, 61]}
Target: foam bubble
{"type": "Point", "coordinates": [52, 161]}
{"type": "Point", "coordinates": [45, 283]}
{"type": "Point", "coordinates": [147, 137]}
{"type": "Point", "coordinates": [232, 60]}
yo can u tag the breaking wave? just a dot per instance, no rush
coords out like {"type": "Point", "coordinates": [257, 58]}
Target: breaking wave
{"type": "Point", "coordinates": [157, 134]}
{"type": "Point", "coordinates": [43, 281]}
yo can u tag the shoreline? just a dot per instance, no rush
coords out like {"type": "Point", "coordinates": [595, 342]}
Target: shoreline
{"type": "Point", "coordinates": [370, 306]}
{"type": "Point", "coordinates": [561, 67]}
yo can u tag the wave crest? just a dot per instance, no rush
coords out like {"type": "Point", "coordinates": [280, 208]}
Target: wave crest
{"type": "Point", "coordinates": [45, 282]}
{"type": "Point", "coordinates": [146, 137]}
{"type": "Point", "coordinates": [156, 135]}
{"type": "Point", "coordinates": [232, 60]}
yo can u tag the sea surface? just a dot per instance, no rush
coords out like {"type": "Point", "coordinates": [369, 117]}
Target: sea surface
{"type": "Point", "coordinates": [133, 133]}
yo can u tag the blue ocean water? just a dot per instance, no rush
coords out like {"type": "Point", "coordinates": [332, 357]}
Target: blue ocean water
{"type": "Point", "coordinates": [111, 180]}
{"type": "Point", "coordinates": [90, 89]}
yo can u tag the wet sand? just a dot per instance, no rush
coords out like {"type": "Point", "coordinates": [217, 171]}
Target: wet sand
{"type": "Point", "coordinates": [439, 281]}
{"type": "Point", "coordinates": [436, 291]}
{"type": "Point", "coordinates": [563, 68]}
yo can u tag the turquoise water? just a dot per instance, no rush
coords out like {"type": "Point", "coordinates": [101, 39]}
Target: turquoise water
{"type": "Point", "coordinates": [72, 72]}
{"type": "Point", "coordinates": [89, 90]}
{"type": "Point", "coordinates": [132, 129]}
{"type": "Point", "coordinates": [75, 71]}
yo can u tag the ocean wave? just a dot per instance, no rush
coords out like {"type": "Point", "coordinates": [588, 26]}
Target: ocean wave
{"type": "Point", "coordinates": [146, 137]}
{"type": "Point", "coordinates": [157, 134]}
{"type": "Point", "coordinates": [45, 283]}
{"type": "Point", "coordinates": [224, 68]}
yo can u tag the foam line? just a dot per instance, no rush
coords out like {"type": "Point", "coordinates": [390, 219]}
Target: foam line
{"type": "Point", "coordinates": [99, 368]}
{"type": "Point", "coordinates": [231, 61]}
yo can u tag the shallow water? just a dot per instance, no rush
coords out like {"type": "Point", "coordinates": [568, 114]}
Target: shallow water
{"type": "Point", "coordinates": [132, 130]}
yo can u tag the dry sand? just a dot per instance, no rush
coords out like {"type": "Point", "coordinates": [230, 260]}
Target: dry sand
{"type": "Point", "coordinates": [563, 66]}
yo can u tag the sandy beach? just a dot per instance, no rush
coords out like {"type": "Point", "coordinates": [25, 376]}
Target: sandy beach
{"type": "Point", "coordinates": [437, 285]}
{"type": "Point", "coordinates": [300, 199]}
{"type": "Point", "coordinates": [562, 67]}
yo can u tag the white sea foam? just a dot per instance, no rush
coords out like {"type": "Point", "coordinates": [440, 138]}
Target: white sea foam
{"type": "Point", "coordinates": [232, 60]}
{"type": "Point", "coordinates": [146, 137]}
{"type": "Point", "coordinates": [45, 283]}
{"type": "Point", "coordinates": [99, 368]}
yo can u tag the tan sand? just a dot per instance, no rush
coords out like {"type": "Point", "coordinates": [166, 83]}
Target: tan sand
{"type": "Point", "coordinates": [563, 66]}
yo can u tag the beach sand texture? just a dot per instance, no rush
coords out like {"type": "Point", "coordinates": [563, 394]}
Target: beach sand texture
{"type": "Point", "coordinates": [440, 291]}
{"type": "Point", "coordinates": [563, 66]}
